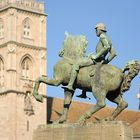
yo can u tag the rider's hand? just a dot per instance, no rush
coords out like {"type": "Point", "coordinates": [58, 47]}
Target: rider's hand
{"type": "Point", "coordinates": [106, 62]}
{"type": "Point", "coordinates": [92, 56]}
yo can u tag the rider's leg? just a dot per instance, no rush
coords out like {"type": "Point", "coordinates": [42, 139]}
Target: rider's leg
{"type": "Point", "coordinates": [74, 72]}
{"type": "Point", "coordinates": [75, 69]}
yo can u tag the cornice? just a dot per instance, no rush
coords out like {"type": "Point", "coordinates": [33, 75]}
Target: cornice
{"type": "Point", "coordinates": [137, 136]}
{"type": "Point", "coordinates": [12, 91]}
{"type": "Point", "coordinates": [20, 8]}
{"type": "Point", "coordinates": [23, 45]}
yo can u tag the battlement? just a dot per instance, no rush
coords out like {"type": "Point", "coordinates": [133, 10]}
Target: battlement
{"type": "Point", "coordinates": [24, 4]}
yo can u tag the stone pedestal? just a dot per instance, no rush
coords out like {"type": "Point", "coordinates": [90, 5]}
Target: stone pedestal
{"type": "Point", "coordinates": [115, 130]}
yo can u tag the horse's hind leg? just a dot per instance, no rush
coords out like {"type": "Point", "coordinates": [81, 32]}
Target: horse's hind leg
{"type": "Point", "coordinates": [121, 105]}
{"type": "Point", "coordinates": [100, 96]}
{"type": "Point", "coordinates": [53, 82]}
{"type": "Point", "coordinates": [67, 103]}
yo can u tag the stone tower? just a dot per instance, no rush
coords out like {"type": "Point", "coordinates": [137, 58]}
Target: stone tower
{"type": "Point", "coordinates": [22, 60]}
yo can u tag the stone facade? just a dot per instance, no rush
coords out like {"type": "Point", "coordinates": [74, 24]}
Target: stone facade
{"type": "Point", "coordinates": [22, 60]}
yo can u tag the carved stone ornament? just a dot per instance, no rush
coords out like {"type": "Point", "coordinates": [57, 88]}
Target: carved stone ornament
{"type": "Point", "coordinates": [43, 55]}
{"type": "Point", "coordinates": [11, 49]}
{"type": "Point", "coordinates": [43, 19]}
{"type": "Point", "coordinates": [28, 106]}
{"type": "Point", "coordinates": [12, 11]}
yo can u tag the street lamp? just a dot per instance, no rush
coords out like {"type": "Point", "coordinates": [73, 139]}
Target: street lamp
{"type": "Point", "coordinates": [138, 96]}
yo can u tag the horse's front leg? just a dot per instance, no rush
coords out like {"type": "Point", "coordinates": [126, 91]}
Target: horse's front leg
{"type": "Point", "coordinates": [42, 79]}
{"type": "Point", "coordinates": [35, 90]}
{"type": "Point", "coordinates": [67, 103]}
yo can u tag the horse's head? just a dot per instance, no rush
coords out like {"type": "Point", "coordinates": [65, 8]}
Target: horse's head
{"type": "Point", "coordinates": [74, 46]}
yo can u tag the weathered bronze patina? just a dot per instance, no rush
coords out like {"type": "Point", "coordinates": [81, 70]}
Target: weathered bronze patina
{"type": "Point", "coordinates": [103, 48]}
{"type": "Point", "coordinates": [103, 80]}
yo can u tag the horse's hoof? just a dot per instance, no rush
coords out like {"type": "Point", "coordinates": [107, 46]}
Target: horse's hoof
{"type": "Point", "coordinates": [39, 98]}
{"type": "Point", "coordinates": [81, 122]}
{"type": "Point", "coordinates": [107, 119]}
{"type": "Point", "coordinates": [55, 122]}
{"type": "Point", "coordinates": [59, 122]}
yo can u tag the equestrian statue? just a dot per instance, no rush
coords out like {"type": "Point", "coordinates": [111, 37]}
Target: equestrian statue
{"type": "Point", "coordinates": [91, 73]}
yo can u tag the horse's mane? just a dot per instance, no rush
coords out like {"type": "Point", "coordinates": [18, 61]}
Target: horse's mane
{"type": "Point", "coordinates": [74, 46]}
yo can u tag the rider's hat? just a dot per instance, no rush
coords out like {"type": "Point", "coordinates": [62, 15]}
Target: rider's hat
{"type": "Point", "coordinates": [101, 26]}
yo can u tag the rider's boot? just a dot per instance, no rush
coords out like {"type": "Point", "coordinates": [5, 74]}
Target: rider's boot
{"type": "Point", "coordinates": [74, 73]}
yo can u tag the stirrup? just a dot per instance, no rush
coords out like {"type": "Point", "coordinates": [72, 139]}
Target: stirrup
{"type": "Point", "coordinates": [67, 87]}
{"type": "Point", "coordinates": [84, 96]}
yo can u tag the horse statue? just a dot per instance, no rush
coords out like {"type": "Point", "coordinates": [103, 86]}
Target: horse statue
{"type": "Point", "coordinates": [103, 80]}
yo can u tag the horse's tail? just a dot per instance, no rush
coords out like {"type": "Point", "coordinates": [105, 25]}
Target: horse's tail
{"type": "Point", "coordinates": [133, 68]}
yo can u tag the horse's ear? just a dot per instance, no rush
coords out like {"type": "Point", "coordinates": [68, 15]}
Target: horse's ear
{"type": "Point", "coordinates": [66, 34]}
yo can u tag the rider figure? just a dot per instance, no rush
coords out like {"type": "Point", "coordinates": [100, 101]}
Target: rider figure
{"type": "Point", "coordinates": [103, 48]}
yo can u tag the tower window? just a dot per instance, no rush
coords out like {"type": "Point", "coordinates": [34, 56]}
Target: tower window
{"type": "Point", "coordinates": [27, 125]}
{"type": "Point", "coordinates": [1, 73]}
{"type": "Point", "coordinates": [26, 28]}
{"type": "Point", "coordinates": [1, 29]}
{"type": "Point", "coordinates": [26, 68]}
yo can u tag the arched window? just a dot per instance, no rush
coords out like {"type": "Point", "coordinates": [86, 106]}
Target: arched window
{"type": "Point", "coordinates": [1, 73]}
{"type": "Point", "coordinates": [27, 28]}
{"type": "Point", "coordinates": [26, 68]}
{"type": "Point", "coordinates": [1, 28]}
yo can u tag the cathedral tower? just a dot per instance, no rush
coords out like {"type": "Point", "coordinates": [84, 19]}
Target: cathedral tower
{"type": "Point", "coordinates": [22, 60]}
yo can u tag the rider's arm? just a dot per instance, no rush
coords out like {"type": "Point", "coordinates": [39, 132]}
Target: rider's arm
{"type": "Point", "coordinates": [104, 41]}
{"type": "Point", "coordinates": [105, 49]}
{"type": "Point", "coordinates": [111, 55]}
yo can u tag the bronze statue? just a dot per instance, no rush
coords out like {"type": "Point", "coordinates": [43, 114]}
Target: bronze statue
{"type": "Point", "coordinates": [103, 47]}
{"type": "Point", "coordinates": [103, 80]}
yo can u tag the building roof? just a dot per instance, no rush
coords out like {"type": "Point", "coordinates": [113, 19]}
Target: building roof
{"type": "Point", "coordinates": [55, 107]}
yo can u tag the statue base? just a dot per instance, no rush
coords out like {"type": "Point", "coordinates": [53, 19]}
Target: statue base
{"type": "Point", "coordinates": [112, 130]}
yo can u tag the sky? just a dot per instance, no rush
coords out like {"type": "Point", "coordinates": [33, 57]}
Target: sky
{"type": "Point", "coordinates": [122, 19]}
